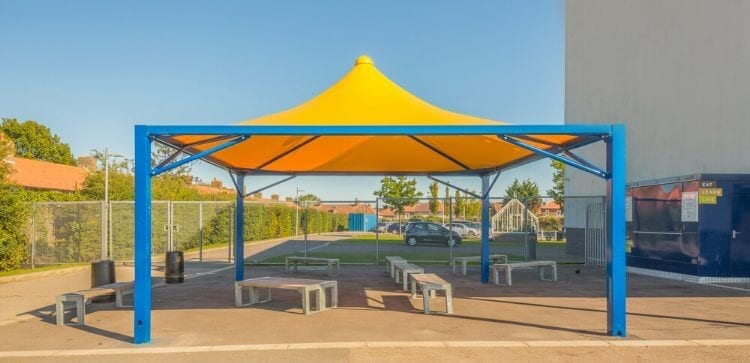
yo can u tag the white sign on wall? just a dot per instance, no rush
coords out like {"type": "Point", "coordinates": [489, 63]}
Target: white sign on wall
{"type": "Point", "coordinates": [689, 207]}
{"type": "Point", "coordinates": [628, 209]}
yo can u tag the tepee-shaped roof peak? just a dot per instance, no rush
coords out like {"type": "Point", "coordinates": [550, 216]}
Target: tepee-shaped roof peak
{"type": "Point", "coordinates": [365, 96]}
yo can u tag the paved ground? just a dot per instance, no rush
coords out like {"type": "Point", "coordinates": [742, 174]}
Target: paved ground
{"type": "Point", "coordinates": [375, 318]}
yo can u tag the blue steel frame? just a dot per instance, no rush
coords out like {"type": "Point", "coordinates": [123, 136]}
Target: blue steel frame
{"type": "Point", "coordinates": [613, 136]}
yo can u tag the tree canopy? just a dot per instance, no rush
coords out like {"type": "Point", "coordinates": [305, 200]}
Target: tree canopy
{"type": "Point", "coordinates": [35, 141]}
{"type": "Point", "coordinates": [434, 195]}
{"type": "Point", "coordinates": [558, 183]}
{"type": "Point", "coordinates": [527, 191]}
{"type": "Point", "coordinates": [398, 193]}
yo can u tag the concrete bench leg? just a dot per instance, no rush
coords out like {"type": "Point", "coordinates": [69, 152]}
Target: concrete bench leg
{"type": "Point", "coordinates": [406, 277]}
{"type": "Point", "coordinates": [306, 301]}
{"type": "Point", "coordinates": [426, 300]}
{"type": "Point", "coordinates": [237, 295]}
{"type": "Point", "coordinates": [495, 276]}
{"type": "Point", "coordinates": [334, 296]}
{"type": "Point", "coordinates": [80, 307]}
{"type": "Point", "coordinates": [320, 298]}
{"type": "Point", "coordinates": [508, 277]}
{"type": "Point", "coordinates": [449, 299]}
{"type": "Point", "coordinates": [463, 267]}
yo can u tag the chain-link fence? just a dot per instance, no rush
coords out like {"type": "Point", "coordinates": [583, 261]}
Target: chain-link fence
{"type": "Point", "coordinates": [356, 232]}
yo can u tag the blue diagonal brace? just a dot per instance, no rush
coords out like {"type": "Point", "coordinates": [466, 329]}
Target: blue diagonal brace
{"type": "Point", "coordinates": [199, 155]}
{"type": "Point", "coordinates": [271, 185]}
{"type": "Point", "coordinates": [492, 184]}
{"type": "Point", "coordinates": [449, 185]}
{"type": "Point", "coordinates": [587, 168]}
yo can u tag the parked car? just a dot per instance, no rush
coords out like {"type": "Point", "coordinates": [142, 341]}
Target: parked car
{"type": "Point", "coordinates": [426, 232]}
{"type": "Point", "coordinates": [381, 227]}
{"type": "Point", "coordinates": [472, 229]}
{"type": "Point", "coordinates": [463, 229]}
{"type": "Point", "coordinates": [394, 228]}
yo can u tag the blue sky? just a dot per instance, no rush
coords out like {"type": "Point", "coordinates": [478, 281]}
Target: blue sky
{"type": "Point", "coordinates": [90, 70]}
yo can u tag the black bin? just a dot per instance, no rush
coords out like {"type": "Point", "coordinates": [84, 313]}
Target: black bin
{"type": "Point", "coordinates": [103, 273]}
{"type": "Point", "coordinates": [174, 271]}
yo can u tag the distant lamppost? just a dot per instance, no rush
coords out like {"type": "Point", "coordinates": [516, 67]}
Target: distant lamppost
{"type": "Point", "coordinates": [106, 210]}
{"type": "Point", "coordinates": [296, 218]}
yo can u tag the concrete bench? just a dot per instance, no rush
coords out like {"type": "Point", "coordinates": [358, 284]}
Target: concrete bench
{"type": "Point", "coordinates": [429, 283]}
{"type": "Point", "coordinates": [402, 271]}
{"type": "Point", "coordinates": [303, 286]}
{"type": "Point", "coordinates": [509, 267]}
{"type": "Point", "coordinates": [390, 261]}
{"type": "Point", "coordinates": [464, 260]}
{"type": "Point", "coordinates": [80, 298]}
{"type": "Point", "coordinates": [290, 264]}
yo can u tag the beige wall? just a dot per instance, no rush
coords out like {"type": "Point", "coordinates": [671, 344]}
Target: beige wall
{"type": "Point", "coordinates": [677, 72]}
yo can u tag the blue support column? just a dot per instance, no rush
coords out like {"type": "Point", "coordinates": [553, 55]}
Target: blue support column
{"type": "Point", "coordinates": [615, 250]}
{"type": "Point", "coordinates": [142, 284]}
{"type": "Point", "coordinates": [485, 232]}
{"type": "Point", "coordinates": [239, 230]}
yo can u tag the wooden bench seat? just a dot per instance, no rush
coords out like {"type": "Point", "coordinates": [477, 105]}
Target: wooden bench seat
{"type": "Point", "coordinates": [509, 267]}
{"type": "Point", "coordinates": [303, 286]}
{"type": "Point", "coordinates": [429, 283]}
{"type": "Point", "coordinates": [464, 260]}
{"type": "Point", "coordinates": [291, 262]}
{"type": "Point", "coordinates": [403, 270]}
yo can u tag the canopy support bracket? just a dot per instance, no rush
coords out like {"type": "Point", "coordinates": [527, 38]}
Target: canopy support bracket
{"type": "Point", "coordinates": [586, 166]}
{"type": "Point", "coordinates": [270, 185]}
{"type": "Point", "coordinates": [449, 185]}
{"type": "Point", "coordinates": [439, 152]}
{"type": "Point", "coordinates": [196, 156]}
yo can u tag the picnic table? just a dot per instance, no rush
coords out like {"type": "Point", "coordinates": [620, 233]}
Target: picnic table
{"type": "Point", "coordinates": [291, 262]}
{"type": "Point", "coordinates": [303, 286]}
{"type": "Point", "coordinates": [464, 260]}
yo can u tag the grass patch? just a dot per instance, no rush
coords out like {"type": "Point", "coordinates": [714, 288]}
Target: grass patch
{"type": "Point", "coordinates": [22, 271]}
{"type": "Point", "coordinates": [432, 258]}
{"type": "Point", "coordinates": [393, 239]}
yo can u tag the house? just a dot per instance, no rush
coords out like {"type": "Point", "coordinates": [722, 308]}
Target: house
{"type": "Point", "coordinates": [550, 208]}
{"type": "Point", "coordinates": [44, 175]}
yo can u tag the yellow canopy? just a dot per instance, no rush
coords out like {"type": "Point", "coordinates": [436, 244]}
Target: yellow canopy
{"type": "Point", "coordinates": [365, 96]}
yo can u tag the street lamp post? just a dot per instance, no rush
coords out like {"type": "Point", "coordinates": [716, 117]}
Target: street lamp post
{"type": "Point", "coordinates": [106, 212]}
{"type": "Point", "coordinates": [296, 209]}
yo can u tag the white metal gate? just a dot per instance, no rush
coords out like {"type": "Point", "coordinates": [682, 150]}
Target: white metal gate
{"type": "Point", "coordinates": [595, 235]}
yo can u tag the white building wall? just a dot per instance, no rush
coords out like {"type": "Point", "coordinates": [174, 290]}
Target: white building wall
{"type": "Point", "coordinates": [677, 72]}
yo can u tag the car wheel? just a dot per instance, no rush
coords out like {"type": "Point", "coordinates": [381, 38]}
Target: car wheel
{"type": "Point", "coordinates": [411, 241]}
{"type": "Point", "coordinates": [451, 242]}
{"type": "Point", "coordinates": [472, 233]}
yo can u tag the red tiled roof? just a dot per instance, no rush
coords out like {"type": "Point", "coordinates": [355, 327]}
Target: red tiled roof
{"type": "Point", "coordinates": [552, 205]}
{"type": "Point", "coordinates": [207, 189]}
{"type": "Point", "coordinates": [346, 208]}
{"type": "Point", "coordinates": [37, 174]}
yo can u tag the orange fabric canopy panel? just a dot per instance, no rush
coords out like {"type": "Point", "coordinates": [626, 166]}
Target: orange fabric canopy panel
{"type": "Point", "coordinates": [366, 97]}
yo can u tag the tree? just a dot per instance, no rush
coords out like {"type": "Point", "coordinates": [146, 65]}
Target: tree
{"type": "Point", "coordinates": [161, 152]}
{"type": "Point", "coordinates": [459, 205]}
{"type": "Point", "coordinates": [558, 183]}
{"type": "Point", "coordinates": [526, 191]}
{"type": "Point", "coordinates": [309, 199]}
{"type": "Point", "coordinates": [398, 193]}
{"type": "Point", "coordinates": [36, 141]}
{"type": "Point", "coordinates": [434, 203]}
{"type": "Point", "coordinates": [14, 214]}
{"type": "Point", "coordinates": [472, 207]}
